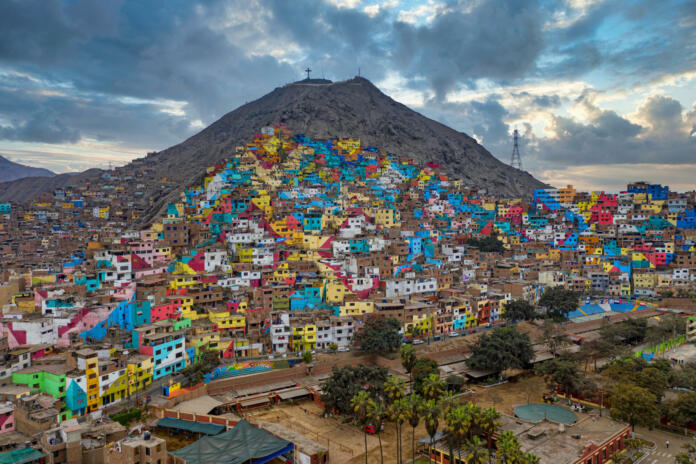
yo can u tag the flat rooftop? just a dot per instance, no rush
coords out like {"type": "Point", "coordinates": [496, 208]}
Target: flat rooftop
{"type": "Point", "coordinates": [554, 443]}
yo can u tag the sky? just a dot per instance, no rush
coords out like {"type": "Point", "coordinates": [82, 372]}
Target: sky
{"type": "Point", "coordinates": [602, 92]}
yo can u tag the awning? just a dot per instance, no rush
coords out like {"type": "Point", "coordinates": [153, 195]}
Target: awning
{"type": "Point", "coordinates": [254, 401]}
{"type": "Point", "coordinates": [475, 374]}
{"type": "Point", "coordinates": [21, 455]}
{"type": "Point", "coordinates": [294, 393]}
{"type": "Point", "coordinates": [190, 426]}
{"type": "Point", "coordinates": [242, 444]}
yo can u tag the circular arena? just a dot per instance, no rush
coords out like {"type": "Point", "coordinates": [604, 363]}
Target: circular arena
{"type": "Point", "coordinates": [537, 412]}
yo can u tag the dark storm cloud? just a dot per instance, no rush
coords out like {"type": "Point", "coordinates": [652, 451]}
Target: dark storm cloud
{"type": "Point", "coordinates": [148, 50]}
{"type": "Point", "coordinates": [54, 117]}
{"type": "Point", "coordinates": [497, 40]}
{"type": "Point", "coordinates": [110, 66]}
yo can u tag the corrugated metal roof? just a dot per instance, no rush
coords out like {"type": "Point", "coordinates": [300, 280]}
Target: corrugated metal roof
{"type": "Point", "coordinates": [191, 426]}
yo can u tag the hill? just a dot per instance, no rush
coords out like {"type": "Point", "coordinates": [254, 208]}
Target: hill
{"type": "Point", "coordinates": [322, 109]}
{"type": "Point", "coordinates": [9, 171]}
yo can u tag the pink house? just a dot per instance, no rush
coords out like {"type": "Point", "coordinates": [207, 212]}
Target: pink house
{"type": "Point", "coordinates": [7, 421]}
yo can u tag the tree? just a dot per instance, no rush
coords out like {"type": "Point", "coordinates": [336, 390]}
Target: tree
{"type": "Point", "coordinates": [562, 374]}
{"type": "Point", "coordinates": [455, 382]}
{"type": "Point", "coordinates": [307, 357]}
{"type": "Point", "coordinates": [682, 410]}
{"type": "Point", "coordinates": [653, 380]}
{"type": "Point", "coordinates": [360, 404]}
{"type": "Point", "coordinates": [476, 451]}
{"type": "Point", "coordinates": [668, 327]}
{"type": "Point", "coordinates": [628, 332]}
{"type": "Point", "coordinates": [431, 418]}
{"type": "Point", "coordinates": [553, 336]}
{"type": "Point", "coordinates": [376, 412]}
{"type": "Point", "coordinates": [346, 382]}
{"type": "Point", "coordinates": [333, 347]}
{"type": "Point", "coordinates": [500, 349]}
{"type": "Point", "coordinates": [520, 310]}
{"type": "Point", "coordinates": [414, 409]}
{"type": "Point", "coordinates": [490, 423]}
{"type": "Point", "coordinates": [195, 373]}
{"type": "Point", "coordinates": [635, 405]}
{"type": "Point", "coordinates": [397, 413]}
{"type": "Point", "coordinates": [559, 302]}
{"type": "Point", "coordinates": [509, 448]}
{"type": "Point", "coordinates": [487, 244]}
{"type": "Point", "coordinates": [433, 387]}
{"type": "Point", "coordinates": [408, 359]}
{"type": "Point", "coordinates": [379, 335]}
{"type": "Point", "coordinates": [688, 456]}
{"type": "Point", "coordinates": [394, 388]}
{"type": "Point", "coordinates": [422, 368]}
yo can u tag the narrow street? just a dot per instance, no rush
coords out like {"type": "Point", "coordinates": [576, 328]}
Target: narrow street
{"type": "Point", "coordinates": [662, 454]}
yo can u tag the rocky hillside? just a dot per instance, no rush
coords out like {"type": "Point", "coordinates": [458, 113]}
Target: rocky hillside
{"type": "Point", "coordinates": [9, 171]}
{"type": "Point", "coordinates": [322, 109]}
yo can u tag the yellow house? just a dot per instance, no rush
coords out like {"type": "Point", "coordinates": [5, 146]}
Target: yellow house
{"type": "Point", "coordinates": [644, 280]}
{"type": "Point", "coordinates": [225, 320]}
{"type": "Point", "coordinates": [336, 291]}
{"type": "Point", "coordinates": [357, 308]}
{"type": "Point", "coordinates": [387, 217]}
{"type": "Point", "coordinates": [139, 372]}
{"type": "Point", "coordinates": [304, 338]}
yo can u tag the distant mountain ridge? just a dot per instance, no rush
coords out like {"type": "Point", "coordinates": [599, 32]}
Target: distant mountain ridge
{"type": "Point", "coordinates": [9, 171]}
{"type": "Point", "coordinates": [320, 109]}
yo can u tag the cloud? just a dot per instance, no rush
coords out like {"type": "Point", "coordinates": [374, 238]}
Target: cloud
{"type": "Point", "coordinates": [497, 40]}
{"type": "Point", "coordinates": [583, 80]}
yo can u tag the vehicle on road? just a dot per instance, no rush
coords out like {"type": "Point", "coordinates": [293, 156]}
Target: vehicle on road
{"type": "Point", "coordinates": [453, 334]}
{"type": "Point", "coordinates": [371, 429]}
{"type": "Point", "coordinates": [418, 341]}
{"type": "Point", "coordinates": [472, 331]}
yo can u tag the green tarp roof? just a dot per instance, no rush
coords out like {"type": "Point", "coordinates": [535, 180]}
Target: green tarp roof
{"type": "Point", "coordinates": [20, 456]}
{"type": "Point", "coordinates": [242, 443]}
{"type": "Point", "coordinates": [190, 426]}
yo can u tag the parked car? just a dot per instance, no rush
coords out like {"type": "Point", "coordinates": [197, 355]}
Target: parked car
{"type": "Point", "coordinates": [371, 429]}
{"type": "Point", "coordinates": [436, 338]}
{"type": "Point", "coordinates": [472, 331]}
{"type": "Point", "coordinates": [343, 349]}
{"type": "Point", "coordinates": [453, 334]}
{"type": "Point", "coordinates": [418, 341]}
{"type": "Point", "coordinates": [488, 325]}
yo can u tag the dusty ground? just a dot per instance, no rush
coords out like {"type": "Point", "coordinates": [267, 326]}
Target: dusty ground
{"type": "Point", "coordinates": [345, 441]}
{"type": "Point", "coordinates": [527, 389]}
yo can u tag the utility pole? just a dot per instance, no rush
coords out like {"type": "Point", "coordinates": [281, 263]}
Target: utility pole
{"type": "Point", "coordinates": [516, 160]}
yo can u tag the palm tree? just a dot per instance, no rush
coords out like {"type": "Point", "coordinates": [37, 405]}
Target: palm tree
{"type": "Point", "coordinates": [414, 407]}
{"type": "Point", "coordinates": [508, 448]}
{"type": "Point", "coordinates": [397, 413]}
{"type": "Point", "coordinates": [376, 413]}
{"type": "Point", "coordinates": [431, 417]}
{"type": "Point", "coordinates": [433, 387]}
{"type": "Point", "coordinates": [453, 435]}
{"type": "Point", "coordinates": [476, 451]}
{"type": "Point", "coordinates": [490, 423]}
{"type": "Point", "coordinates": [461, 425]}
{"type": "Point", "coordinates": [394, 387]}
{"type": "Point", "coordinates": [529, 458]}
{"type": "Point", "coordinates": [408, 360]}
{"type": "Point", "coordinates": [360, 404]}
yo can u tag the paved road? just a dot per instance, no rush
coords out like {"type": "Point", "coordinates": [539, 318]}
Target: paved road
{"type": "Point", "coordinates": [662, 455]}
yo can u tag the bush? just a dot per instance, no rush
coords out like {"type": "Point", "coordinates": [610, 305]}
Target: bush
{"type": "Point", "coordinates": [126, 417]}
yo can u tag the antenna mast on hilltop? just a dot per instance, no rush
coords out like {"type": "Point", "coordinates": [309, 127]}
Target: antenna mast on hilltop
{"type": "Point", "coordinates": [308, 71]}
{"type": "Point", "coordinates": [515, 160]}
